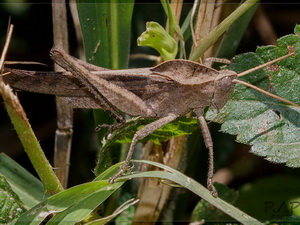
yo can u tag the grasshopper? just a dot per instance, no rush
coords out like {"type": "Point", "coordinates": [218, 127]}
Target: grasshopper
{"type": "Point", "coordinates": [166, 91]}
{"type": "Point", "coordinates": [174, 88]}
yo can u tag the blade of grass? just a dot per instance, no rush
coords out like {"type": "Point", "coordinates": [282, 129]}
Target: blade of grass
{"type": "Point", "coordinates": [24, 184]}
{"type": "Point", "coordinates": [71, 200]}
{"type": "Point", "coordinates": [181, 179]}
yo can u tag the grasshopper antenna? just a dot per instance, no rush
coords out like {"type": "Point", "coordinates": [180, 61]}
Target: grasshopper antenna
{"type": "Point", "coordinates": [259, 89]}
{"type": "Point", "coordinates": [265, 92]}
{"type": "Point", "coordinates": [265, 64]}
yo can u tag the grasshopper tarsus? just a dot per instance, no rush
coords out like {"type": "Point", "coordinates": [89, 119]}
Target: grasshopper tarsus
{"type": "Point", "coordinates": [120, 173]}
{"type": "Point", "coordinates": [211, 187]}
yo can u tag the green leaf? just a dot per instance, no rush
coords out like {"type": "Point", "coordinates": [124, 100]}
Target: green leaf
{"type": "Point", "coordinates": [11, 206]}
{"type": "Point", "coordinates": [105, 28]}
{"type": "Point", "coordinates": [80, 200]}
{"type": "Point", "coordinates": [179, 127]}
{"type": "Point", "coordinates": [29, 189]}
{"type": "Point", "coordinates": [126, 205]}
{"type": "Point", "coordinates": [271, 126]}
{"type": "Point", "coordinates": [156, 37]}
{"type": "Point", "coordinates": [73, 204]}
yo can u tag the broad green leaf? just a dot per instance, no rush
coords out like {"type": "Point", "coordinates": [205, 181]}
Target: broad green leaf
{"type": "Point", "coordinates": [105, 28]}
{"type": "Point", "coordinates": [179, 127]}
{"type": "Point", "coordinates": [11, 206]}
{"type": "Point", "coordinates": [29, 189]}
{"type": "Point", "coordinates": [271, 126]}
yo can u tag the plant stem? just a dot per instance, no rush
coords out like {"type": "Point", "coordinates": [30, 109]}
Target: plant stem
{"type": "Point", "coordinates": [33, 148]}
{"type": "Point", "coordinates": [25, 132]}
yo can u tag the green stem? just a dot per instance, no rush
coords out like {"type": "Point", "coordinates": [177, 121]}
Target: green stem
{"type": "Point", "coordinates": [25, 133]}
{"type": "Point", "coordinates": [213, 36]}
{"type": "Point", "coordinates": [33, 149]}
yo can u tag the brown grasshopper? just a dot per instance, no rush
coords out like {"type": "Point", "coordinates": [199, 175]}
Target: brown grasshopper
{"type": "Point", "coordinates": [173, 89]}
{"type": "Point", "coordinates": [166, 91]}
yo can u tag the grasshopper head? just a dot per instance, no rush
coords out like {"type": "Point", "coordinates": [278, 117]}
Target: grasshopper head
{"type": "Point", "coordinates": [223, 87]}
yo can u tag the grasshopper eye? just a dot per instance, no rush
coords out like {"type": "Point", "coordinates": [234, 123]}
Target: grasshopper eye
{"type": "Point", "coordinates": [226, 83]}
